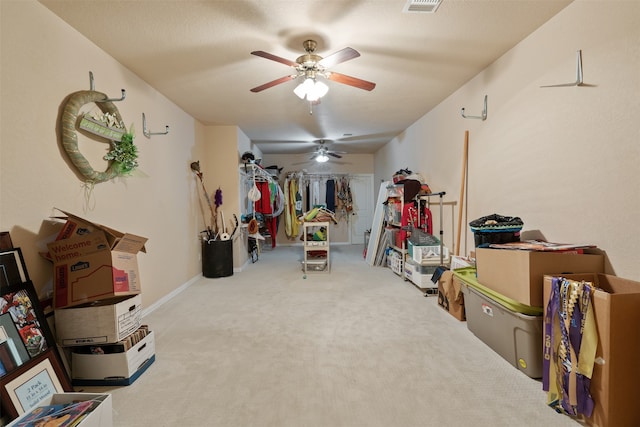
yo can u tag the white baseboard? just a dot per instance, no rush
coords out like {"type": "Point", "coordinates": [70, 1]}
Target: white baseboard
{"type": "Point", "coordinates": [169, 296]}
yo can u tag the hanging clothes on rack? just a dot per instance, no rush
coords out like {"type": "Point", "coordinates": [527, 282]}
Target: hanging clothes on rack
{"type": "Point", "coordinates": [287, 207]}
{"type": "Point", "coordinates": [293, 203]}
{"type": "Point", "coordinates": [264, 206]}
{"type": "Point", "coordinates": [340, 210]}
{"type": "Point", "coordinates": [330, 197]}
{"type": "Point", "coordinates": [349, 201]}
{"type": "Point", "coordinates": [293, 191]}
{"type": "Point", "coordinates": [315, 192]}
{"type": "Point", "coordinates": [298, 202]}
{"type": "Point", "coordinates": [411, 216]}
{"type": "Point", "coordinates": [267, 198]}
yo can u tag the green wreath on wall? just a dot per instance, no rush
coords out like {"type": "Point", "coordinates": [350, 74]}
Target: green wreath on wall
{"type": "Point", "coordinates": [123, 155]}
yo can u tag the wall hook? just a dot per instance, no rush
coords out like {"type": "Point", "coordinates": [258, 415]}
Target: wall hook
{"type": "Point", "coordinates": [484, 112]}
{"type": "Point", "coordinates": [146, 131]}
{"type": "Point", "coordinates": [92, 87]}
{"type": "Point", "coordinates": [579, 77]}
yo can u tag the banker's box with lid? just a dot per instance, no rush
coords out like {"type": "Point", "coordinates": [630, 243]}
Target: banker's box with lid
{"type": "Point", "coordinates": [511, 329]}
{"type": "Point", "coordinates": [117, 364]}
{"type": "Point", "coordinates": [92, 262]}
{"type": "Point", "coordinates": [616, 372]}
{"type": "Point", "coordinates": [99, 322]}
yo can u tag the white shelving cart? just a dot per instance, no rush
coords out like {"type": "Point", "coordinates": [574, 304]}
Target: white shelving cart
{"type": "Point", "coordinates": [317, 256]}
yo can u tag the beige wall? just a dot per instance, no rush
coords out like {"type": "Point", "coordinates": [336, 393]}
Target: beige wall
{"type": "Point", "coordinates": [223, 152]}
{"type": "Point", "coordinates": [563, 159]}
{"type": "Point", "coordinates": [43, 61]}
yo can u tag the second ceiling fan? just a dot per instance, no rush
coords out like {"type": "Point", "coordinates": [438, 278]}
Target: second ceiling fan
{"type": "Point", "coordinates": [310, 66]}
{"type": "Point", "coordinates": [322, 153]}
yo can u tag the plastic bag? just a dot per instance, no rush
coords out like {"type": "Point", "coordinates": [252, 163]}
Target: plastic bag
{"type": "Point", "coordinates": [496, 223]}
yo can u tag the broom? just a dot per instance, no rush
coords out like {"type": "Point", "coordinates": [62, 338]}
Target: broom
{"type": "Point", "coordinates": [195, 166]}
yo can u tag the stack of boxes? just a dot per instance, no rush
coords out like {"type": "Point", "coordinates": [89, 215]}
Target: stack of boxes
{"type": "Point", "coordinates": [97, 303]}
{"type": "Point", "coordinates": [503, 299]}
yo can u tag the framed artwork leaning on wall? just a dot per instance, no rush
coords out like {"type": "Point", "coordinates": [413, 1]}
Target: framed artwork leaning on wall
{"type": "Point", "coordinates": [30, 364]}
{"type": "Point", "coordinates": [13, 270]}
{"type": "Point", "coordinates": [26, 387]}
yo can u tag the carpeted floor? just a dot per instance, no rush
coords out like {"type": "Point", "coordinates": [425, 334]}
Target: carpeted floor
{"type": "Point", "coordinates": [355, 347]}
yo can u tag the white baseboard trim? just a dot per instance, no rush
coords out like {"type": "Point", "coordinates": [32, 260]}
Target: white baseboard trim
{"type": "Point", "coordinates": [169, 296]}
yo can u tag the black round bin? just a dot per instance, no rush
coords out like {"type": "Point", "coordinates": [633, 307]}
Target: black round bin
{"type": "Point", "coordinates": [217, 258]}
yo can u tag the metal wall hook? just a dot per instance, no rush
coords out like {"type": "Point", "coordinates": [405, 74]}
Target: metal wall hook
{"type": "Point", "coordinates": [579, 77]}
{"type": "Point", "coordinates": [92, 87]}
{"type": "Point", "coordinates": [484, 112]}
{"type": "Point", "coordinates": [124, 94]}
{"type": "Point", "coordinates": [146, 131]}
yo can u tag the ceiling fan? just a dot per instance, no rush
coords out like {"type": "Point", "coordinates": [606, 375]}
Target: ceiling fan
{"type": "Point", "coordinates": [322, 153]}
{"type": "Point", "coordinates": [310, 66]}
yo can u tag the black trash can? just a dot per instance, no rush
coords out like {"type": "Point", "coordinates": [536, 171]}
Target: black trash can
{"type": "Point", "coordinates": [217, 258]}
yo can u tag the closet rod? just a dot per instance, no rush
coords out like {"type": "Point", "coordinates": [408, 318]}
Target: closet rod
{"type": "Point", "coordinates": [326, 175]}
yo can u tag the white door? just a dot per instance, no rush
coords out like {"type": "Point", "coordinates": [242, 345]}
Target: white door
{"type": "Point", "coordinates": [363, 206]}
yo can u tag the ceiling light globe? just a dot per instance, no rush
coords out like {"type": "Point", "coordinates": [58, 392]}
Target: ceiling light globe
{"type": "Point", "coordinates": [308, 85]}
{"type": "Point", "coordinates": [300, 91]}
{"type": "Point", "coordinates": [322, 158]}
{"type": "Point", "coordinates": [321, 89]}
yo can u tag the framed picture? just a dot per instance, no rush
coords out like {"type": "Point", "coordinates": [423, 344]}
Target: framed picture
{"type": "Point", "coordinates": [13, 270]}
{"type": "Point", "coordinates": [24, 333]}
{"type": "Point", "coordinates": [12, 352]}
{"type": "Point", "coordinates": [5, 241]}
{"type": "Point", "coordinates": [24, 389]}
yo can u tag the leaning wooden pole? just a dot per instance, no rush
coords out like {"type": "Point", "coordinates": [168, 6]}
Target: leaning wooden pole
{"type": "Point", "coordinates": [465, 156]}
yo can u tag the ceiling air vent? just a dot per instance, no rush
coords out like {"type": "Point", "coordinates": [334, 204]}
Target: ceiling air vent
{"type": "Point", "coordinates": [421, 6]}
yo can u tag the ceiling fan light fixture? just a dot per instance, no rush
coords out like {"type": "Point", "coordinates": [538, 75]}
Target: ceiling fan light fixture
{"type": "Point", "coordinates": [311, 89]}
{"type": "Point", "coordinates": [322, 158]}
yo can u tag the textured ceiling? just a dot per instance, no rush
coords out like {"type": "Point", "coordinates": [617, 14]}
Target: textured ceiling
{"type": "Point", "coordinates": [197, 53]}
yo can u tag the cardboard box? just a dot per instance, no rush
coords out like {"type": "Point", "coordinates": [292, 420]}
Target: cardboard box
{"type": "Point", "coordinates": [614, 383]}
{"type": "Point", "coordinates": [450, 296]}
{"type": "Point", "coordinates": [112, 369]}
{"type": "Point", "coordinates": [518, 274]}
{"type": "Point", "coordinates": [101, 416]}
{"type": "Point", "coordinates": [96, 265]}
{"type": "Point", "coordinates": [98, 322]}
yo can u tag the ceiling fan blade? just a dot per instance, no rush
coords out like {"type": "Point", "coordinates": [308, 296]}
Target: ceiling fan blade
{"type": "Point", "coordinates": [351, 81]}
{"type": "Point", "coordinates": [338, 57]}
{"type": "Point", "coordinates": [274, 58]}
{"type": "Point", "coordinates": [273, 83]}
{"type": "Point", "coordinates": [314, 156]}
{"type": "Point", "coordinates": [332, 154]}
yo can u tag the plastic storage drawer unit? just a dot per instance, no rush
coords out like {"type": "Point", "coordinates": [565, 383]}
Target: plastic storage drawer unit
{"type": "Point", "coordinates": [512, 330]}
